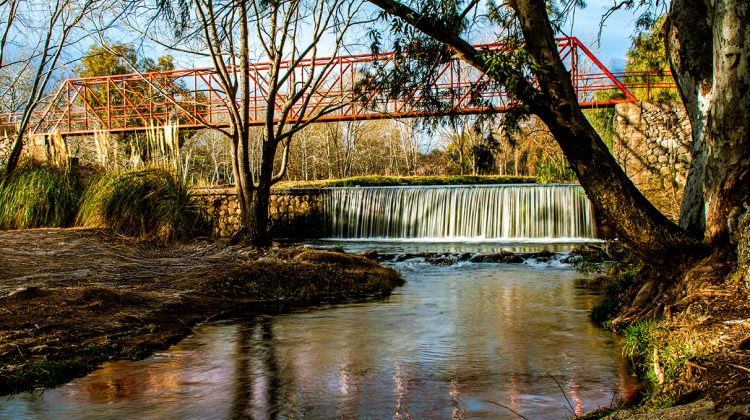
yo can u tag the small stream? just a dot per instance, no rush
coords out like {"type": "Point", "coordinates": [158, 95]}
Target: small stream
{"type": "Point", "coordinates": [467, 340]}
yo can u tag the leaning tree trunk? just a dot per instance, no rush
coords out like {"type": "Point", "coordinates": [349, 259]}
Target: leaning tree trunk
{"type": "Point", "coordinates": [709, 50]}
{"type": "Point", "coordinates": [15, 154]}
{"type": "Point", "coordinates": [636, 221]}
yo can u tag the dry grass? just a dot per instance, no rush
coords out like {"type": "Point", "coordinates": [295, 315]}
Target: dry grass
{"type": "Point", "coordinates": [698, 348]}
{"type": "Point", "coordinates": [73, 298]}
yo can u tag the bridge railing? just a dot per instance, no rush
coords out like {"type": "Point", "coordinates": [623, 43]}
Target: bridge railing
{"type": "Point", "coordinates": [194, 98]}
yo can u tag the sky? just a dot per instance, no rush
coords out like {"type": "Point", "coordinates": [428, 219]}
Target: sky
{"type": "Point", "coordinates": [616, 33]}
{"type": "Point", "coordinates": [610, 48]}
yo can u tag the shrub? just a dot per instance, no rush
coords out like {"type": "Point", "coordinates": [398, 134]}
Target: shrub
{"type": "Point", "coordinates": [151, 203]}
{"type": "Point", "coordinates": [38, 195]}
{"type": "Point", "coordinates": [553, 173]}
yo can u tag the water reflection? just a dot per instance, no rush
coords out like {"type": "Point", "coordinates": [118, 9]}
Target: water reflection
{"type": "Point", "coordinates": [469, 340]}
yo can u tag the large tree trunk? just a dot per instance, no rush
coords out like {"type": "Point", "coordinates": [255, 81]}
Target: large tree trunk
{"type": "Point", "coordinates": [709, 49]}
{"type": "Point", "coordinates": [635, 220]}
{"type": "Point", "coordinates": [258, 231]}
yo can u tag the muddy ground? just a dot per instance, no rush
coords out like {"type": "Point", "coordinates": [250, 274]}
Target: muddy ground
{"type": "Point", "coordinates": [73, 298]}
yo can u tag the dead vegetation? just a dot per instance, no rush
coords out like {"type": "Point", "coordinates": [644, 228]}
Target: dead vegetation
{"type": "Point", "coordinates": [689, 338]}
{"type": "Point", "coordinates": [72, 298]}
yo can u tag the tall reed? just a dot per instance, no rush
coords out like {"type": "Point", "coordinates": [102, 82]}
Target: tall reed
{"type": "Point", "coordinates": [147, 203]}
{"type": "Point", "coordinates": [38, 195]}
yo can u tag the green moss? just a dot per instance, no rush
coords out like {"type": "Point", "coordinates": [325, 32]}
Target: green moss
{"type": "Point", "coordinates": [388, 181]}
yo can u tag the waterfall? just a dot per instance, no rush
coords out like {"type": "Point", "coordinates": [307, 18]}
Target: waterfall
{"type": "Point", "coordinates": [470, 213]}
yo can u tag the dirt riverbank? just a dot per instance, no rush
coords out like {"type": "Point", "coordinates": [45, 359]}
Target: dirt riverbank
{"type": "Point", "coordinates": [73, 298]}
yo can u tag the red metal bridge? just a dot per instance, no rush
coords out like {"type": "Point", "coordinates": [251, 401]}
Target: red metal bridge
{"type": "Point", "coordinates": [194, 98]}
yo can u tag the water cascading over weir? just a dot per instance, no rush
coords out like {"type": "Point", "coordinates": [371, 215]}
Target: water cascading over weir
{"type": "Point", "coordinates": [461, 213]}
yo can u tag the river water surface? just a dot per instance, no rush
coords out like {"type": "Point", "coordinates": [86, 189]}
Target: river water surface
{"type": "Point", "coordinates": [461, 341]}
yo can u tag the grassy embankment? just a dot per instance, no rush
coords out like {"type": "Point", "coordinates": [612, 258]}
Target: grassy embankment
{"type": "Point", "coordinates": [404, 181]}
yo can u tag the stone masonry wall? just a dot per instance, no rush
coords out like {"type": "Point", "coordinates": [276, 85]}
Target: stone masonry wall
{"type": "Point", "coordinates": [653, 143]}
{"type": "Point", "coordinates": [293, 213]}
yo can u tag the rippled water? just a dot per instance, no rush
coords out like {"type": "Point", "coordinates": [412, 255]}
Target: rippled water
{"type": "Point", "coordinates": [468, 340]}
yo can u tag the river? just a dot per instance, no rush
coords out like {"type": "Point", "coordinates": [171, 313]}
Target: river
{"type": "Point", "coordinates": [466, 340]}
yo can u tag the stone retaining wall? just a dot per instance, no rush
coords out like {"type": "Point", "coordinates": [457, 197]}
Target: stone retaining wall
{"type": "Point", "coordinates": [653, 143]}
{"type": "Point", "coordinates": [294, 213]}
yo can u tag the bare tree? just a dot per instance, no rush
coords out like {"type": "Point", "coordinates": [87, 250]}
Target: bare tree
{"type": "Point", "coordinates": [289, 33]}
{"type": "Point", "coordinates": [56, 23]}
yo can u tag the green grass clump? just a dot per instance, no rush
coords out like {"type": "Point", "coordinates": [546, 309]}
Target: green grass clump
{"type": "Point", "coordinates": [38, 195]}
{"type": "Point", "coordinates": [394, 181]}
{"type": "Point", "coordinates": [614, 284]}
{"type": "Point", "coordinates": [151, 203]}
{"type": "Point", "coordinates": [638, 339]}
{"type": "Point", "coordinates": [658, 355]}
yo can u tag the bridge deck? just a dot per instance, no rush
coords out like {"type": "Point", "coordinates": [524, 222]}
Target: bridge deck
{"type": "Point", "coordinates": [193, 98]}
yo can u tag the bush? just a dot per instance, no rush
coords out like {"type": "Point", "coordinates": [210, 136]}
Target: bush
{"type": "Point", "coordinates": [38, 195]}
{"type": "Point", "coordinates": [552, 173]}
{"type": "Point", "coordinates": [151, 203]}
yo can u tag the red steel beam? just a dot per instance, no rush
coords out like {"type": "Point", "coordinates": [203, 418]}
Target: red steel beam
{"type": "Point", "coordinates": [192, 99]}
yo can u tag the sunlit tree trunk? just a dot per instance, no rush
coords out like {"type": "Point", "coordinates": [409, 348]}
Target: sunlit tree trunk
{"type": "Point", "coordinates": [709, 49]}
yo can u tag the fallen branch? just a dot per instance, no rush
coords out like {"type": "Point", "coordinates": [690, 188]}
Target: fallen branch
{"type": "Point", "coordinates": [742, 368]}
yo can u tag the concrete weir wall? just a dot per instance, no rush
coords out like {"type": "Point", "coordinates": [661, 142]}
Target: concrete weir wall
{"type": "Point", "coordinates": [294, 213]}
{"type": "Point", "coordinates": [653, 143]}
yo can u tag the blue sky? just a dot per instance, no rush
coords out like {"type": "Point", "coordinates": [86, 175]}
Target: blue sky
{"type": "Point", "coordinates": [616, 33]}
{"type": "Point", "coordinates": [614, 42]}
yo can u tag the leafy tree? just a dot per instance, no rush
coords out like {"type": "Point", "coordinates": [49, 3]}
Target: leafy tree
{"type": "Point", "coordinates": [101, 61]}
{"type": "Point", "coordinates": [117, 59]}
{"type": "Point", "coordinates": [648, 55]}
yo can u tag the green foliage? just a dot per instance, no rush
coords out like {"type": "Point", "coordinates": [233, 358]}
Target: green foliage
{"type": "Point", "coordinates": [150, 203]}
{"type": "Point", "coordinates": [615, 283]}
{"type": "Point", "coordinates": [387, 181]}
{"type": "Point", "coordinates": [548, 172]}
{"type": "Point", "coordinates": [648, 53]}
{"type": "Point", "coordinates": [118, 59]}
{"type": "Point", "coordinates": [38, 195]}
{"type": "Point", "coordinates": [603, 120]}
{"type": "Point", "coordinates": [638, 341]}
